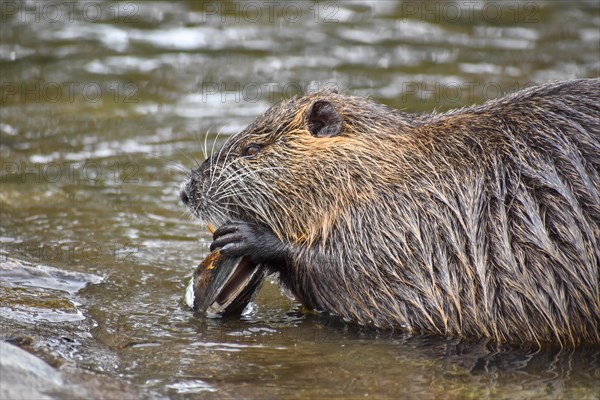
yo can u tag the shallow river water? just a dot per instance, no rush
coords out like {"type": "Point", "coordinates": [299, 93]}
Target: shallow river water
{"type": "Point", "coordinates": [106, 106]}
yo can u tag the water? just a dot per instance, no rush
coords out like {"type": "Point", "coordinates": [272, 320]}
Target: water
{"type": "Point", "coordinates": [105, 106]}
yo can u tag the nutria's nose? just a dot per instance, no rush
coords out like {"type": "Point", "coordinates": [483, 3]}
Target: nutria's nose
{"type": "Point", "coordinates": [184, 197]}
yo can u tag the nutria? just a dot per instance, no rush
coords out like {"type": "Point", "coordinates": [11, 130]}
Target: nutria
{"type": "Point", "coordinates": [480, 222]}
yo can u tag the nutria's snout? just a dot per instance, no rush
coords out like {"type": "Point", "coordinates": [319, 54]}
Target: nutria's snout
{"type": "Point", "coordinates": [195, 194]}
{"type": "Point", "coordinates": [185, 199]}
{"type": "Point", "coordinates": [194, 181]}
{"type": "Point", "coordinates": [187, 188]}
{"type": "Point", "coordinates": [188, 191]}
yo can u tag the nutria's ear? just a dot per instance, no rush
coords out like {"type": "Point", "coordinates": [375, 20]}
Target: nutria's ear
{"type": "Point", "coordinates": [323, 120]}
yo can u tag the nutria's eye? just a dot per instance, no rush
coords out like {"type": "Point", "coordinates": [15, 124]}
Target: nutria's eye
{"type": "Point", "coordinates": [251, 150]}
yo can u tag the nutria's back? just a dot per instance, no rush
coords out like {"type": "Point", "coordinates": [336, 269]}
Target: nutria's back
{"type": "Point", "coordinates": [484, 221]}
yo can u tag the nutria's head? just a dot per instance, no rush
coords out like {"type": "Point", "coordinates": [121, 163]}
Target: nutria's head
{"type": "Point", "coordinates": [298, 164]}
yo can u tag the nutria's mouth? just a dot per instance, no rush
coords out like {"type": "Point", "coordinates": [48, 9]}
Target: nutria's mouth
{"type": "Point", "coordinates": [223, 285]}
{"type": "Point", "coordinates": [211, 227]}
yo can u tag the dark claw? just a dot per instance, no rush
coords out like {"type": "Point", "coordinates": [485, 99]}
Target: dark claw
{"type": "Point", "coordinates": [245, 239]}
{"type": "Point", "coordinates": [234, 249]}
{"type": "Point", "coordinates": [228, 239]}
{"type": "Point", "coordinates": [225, 229]}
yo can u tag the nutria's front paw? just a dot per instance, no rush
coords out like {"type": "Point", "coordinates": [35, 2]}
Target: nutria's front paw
{"type": "Point", "coordinates": [245, 239]}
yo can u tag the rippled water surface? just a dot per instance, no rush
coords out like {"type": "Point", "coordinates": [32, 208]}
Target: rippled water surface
{"type": "Point", "coordinates": [104, 108]}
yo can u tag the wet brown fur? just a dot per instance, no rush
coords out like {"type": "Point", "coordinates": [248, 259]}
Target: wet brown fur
{"type": "Point", "coordinates": [484, 221]}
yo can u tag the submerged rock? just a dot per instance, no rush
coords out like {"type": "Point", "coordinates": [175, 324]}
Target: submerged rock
{"type": "Point", "coordinates": [24, 376]}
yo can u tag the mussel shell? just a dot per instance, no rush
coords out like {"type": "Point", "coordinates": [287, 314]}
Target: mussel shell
{"type": "Point", "coordinates": [223, 285]}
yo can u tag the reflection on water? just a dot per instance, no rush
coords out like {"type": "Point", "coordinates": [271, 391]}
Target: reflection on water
{"type": "Point", "coordinates": [103, 114]}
